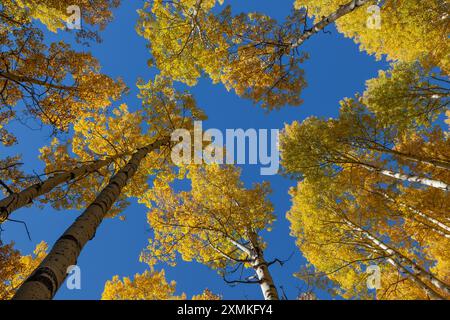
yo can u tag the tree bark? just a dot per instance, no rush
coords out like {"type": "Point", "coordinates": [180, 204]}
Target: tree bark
{"type": "Point", "coordinates": [51, 273]}
{"type": "Point", "coordinates": [261, 268]}
{"type": "Point", "coordinates": [18, 200]}
{"type": "Point", "coordinates": [342, 11]}
{"type": "Point", "coordinates": [442, 164]}
{"type": "Point", "coordinates": [425, 216]}
{"type": "Point", "coordinates": [430, 292]}
{"type": "Point", "coordinates": [410, 178]}
{"type": "Point", "coordinates": [417, 270]}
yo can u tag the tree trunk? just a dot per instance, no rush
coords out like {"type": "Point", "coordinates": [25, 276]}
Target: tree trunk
{"type": "Point", "coordinates": [261, 268]}
{"type": "Point", "coordinates": [438, 226]}
{"type": "Point", "coordinates": [430, 292]}
{"type": "Point", "coordinates": [342, 11]}
{"type": "Point", "coordinates": [416, 179]}
{"type": "Point", "coordinates": [417, 270]}
{"type": "Point", "coordinates": [18, 200]}
{"type": "Point", "coordinates": [410, 178]}
{"type": "Point", "coordinates": [51, 273]}
{"type": "Point", "coordinates": [438, 163]}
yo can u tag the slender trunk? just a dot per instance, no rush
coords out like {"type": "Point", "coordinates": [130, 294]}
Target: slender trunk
{"type": "Point", "coordinates": [429, 292]}
{"type": "Point", "coordinates": [25, 79]}
{"type": "Point", "coordinates": [48, 277]}
{"type": "Point", "coordinates": [425, 216]}
{"type": "Point", "coordinates": [18, 200]}
{"type": "Point", "coordinates": [417, 270]}
{"type": "Point", "coordinates": [438, 163]}
{"type": "Point", "coordinates": [416, 179]}
{"type": "Point", "coordinates": [342, 11]}
{"type": "Point", "coordinates": [410, 178]}
{"type": "Point", "coordinates": [261, 268]}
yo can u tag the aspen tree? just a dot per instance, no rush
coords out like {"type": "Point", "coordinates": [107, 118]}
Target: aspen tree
{"type": "Point", "coordinates": [166, 111]}
{"type": "Point", "coordinates": [216, 223]}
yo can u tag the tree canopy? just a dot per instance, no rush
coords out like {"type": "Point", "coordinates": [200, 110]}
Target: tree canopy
{"type": "Point", "coordinates": [369, 175]}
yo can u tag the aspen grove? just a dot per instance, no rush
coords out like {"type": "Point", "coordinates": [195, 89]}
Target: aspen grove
{"type": "Point", "coordinates": [354, 177]}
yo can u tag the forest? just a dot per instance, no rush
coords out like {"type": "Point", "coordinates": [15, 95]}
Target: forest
{"type": "Point", "coordinates": [224, 149]}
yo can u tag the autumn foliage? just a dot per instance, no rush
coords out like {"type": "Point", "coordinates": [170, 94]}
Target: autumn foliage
{"type": "Point", "coordinates": [370, 184]}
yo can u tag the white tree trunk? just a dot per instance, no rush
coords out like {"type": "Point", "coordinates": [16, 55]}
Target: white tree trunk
{"type": "Point", "coordinates": [261, 268]}
{"type": "Point", "coordinates": [25, 197]}
{"type": "Point", "coordinates": [410, 178]}
{"type": "Point", "coordinates": [268, 288]}
{"type": "Point", "coordinates": [417, 270]}
{"type": "Point", "coordinates": [342, 11]}
{"type": "Point", "coordinates": [45, 281]}
{"type": "Point", "coordinates": [430, 292]}
{"type": "Point", "coordinates": [426, 217]}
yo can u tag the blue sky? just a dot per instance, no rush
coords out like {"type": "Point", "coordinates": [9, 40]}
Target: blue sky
{"type": "Point", "coordinates": [336, 69]}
